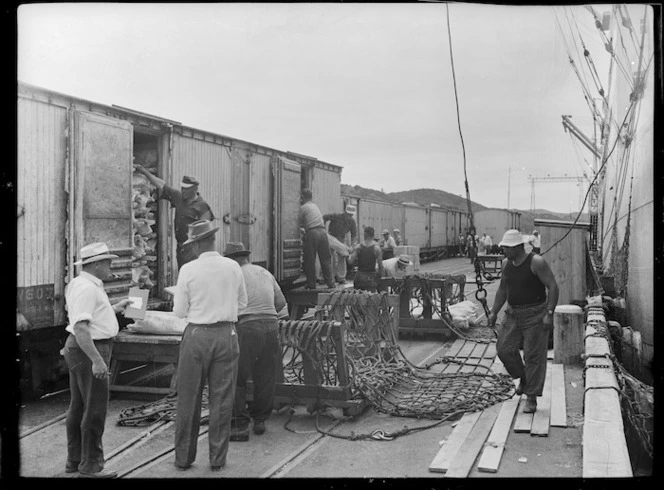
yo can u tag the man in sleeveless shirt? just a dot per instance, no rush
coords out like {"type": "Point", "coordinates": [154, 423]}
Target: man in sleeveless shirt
{"type": "Point", "coordinates": [369, 257]}
{"type": "Point", "coordinates": [524, 284]}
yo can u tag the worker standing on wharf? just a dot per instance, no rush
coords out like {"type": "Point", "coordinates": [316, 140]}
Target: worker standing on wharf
{"type": "Point", "coordinates": [189, 207]}
{"type": "Point", "coordinates": [528, 316]}
{"type": "Point", "coordinates": [397, 237]}
{"type": "Point", "coordinates": [315, 241]}
{"type": "Point", "coordinates": [535, 242]}
{"type": "Point", "coordinates": [340, 225]}
{"type": "Point", "coordinates": [368, 256]}
{"type": "Point", "coordinates": [387, 245]}
{"type": "Point", "coordinates": [260, 354]}
{"type": "Point", "coordinates": [87, 351]}
{"type": "Point", "coordinates": [209, 293]}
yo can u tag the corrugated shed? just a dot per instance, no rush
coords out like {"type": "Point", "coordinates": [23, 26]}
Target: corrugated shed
{"type": "Point", "coordinates": [41, 236]}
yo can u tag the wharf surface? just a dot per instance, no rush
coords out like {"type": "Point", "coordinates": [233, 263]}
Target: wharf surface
{"type": "Point", "coordinates": [293, 448]}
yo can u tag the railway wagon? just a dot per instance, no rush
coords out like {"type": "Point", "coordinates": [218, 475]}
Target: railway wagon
{"type": "Point", "coordinates": [495, 222]}
{"type": "Point", "coordinates": [75, 185]}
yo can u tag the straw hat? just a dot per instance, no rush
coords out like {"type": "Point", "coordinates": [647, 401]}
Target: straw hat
{"type": "Point", "coordinates": [350, 209]}
{"type": "Point", "coordinates": [396, 230]}
{"type": "Point", "coordinates": [200, 229]}
{"type": "Point", "coordinates": [94, 252]}
{"type": "Point", "coordinates": [512, 238]}
{"type": "Point", "coordinates": [386, 231]}
{"type": "Point", "coordinates": [404, 260]}
{"type": "Point", "coordinates": [235, 249]}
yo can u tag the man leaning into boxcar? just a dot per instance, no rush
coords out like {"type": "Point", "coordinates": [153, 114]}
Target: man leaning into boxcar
{"type": "Point", "coordinates": [310, 219]}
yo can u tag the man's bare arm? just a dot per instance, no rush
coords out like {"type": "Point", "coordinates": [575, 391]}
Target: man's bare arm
{"type": "Point", "coordinates": [154, 180]}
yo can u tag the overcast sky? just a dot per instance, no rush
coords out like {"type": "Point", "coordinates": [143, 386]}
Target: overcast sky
{"type": "Point", "coordinates": [367, 87]}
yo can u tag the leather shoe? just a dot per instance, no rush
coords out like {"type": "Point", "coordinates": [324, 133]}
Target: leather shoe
{"type": "Point", "coordinates": [99, 474]}
{"type": "Point", "coordinates": [217, 468]}
{"type": "Point", "coordinates": [519, 389]}
{"type": "Point", "coordinates": [239, 435]}
{"type": "Point", "coordinates": [259, 428]}
{"type": "Point", "coordinates": [71, 469]}
{"type": "Point", "coordinates": [182, 468]}
{"type": "Point", "coordinates": [531, 405]}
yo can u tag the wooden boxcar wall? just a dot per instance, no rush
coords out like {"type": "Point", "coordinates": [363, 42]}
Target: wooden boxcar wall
{"type": "Point", "coordinates": [326, 188]}
{"type": "Point", "coordinates": [376, 214]}
{"type": "Point", "coordinates": [41, 221]}
{"type": "Point", "coordinates": [438, 227]}
{"type": "Point", "coordinates": [416, 226]}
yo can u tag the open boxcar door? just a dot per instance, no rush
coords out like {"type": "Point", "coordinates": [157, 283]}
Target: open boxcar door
{"type": "Point", "coordinates": [287, 245]}
{"type": "Point", "coordinates": [100, 193]}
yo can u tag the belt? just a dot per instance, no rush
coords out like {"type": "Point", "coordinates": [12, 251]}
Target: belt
{"type": "Point", "coordinates": [211, 325]}
{"type": "Point", "coordinates": [315, 228]}
{"type": "Point", "coordinates": [530, 305]}
{"type": "Point", "coordinates": [102, 341]}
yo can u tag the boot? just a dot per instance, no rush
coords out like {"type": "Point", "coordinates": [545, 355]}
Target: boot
{"type": "Point", "coordinates": [531, 404]}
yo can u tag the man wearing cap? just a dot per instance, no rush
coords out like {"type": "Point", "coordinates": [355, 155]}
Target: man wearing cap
{"type": "Point", "coordinates": [524, 283]}
{"type": "Point", "coordinates": [340, 225]}
{"type": "Point", "coordinates": [396, 266]}
{"type": "Point", "coordinates": [260, 355]}
{"type": "Point", "coordinates": [87, 352]}
{"type": "Point", "coordinates": [369, 257]}
{"type": "Point", "coordinates": [189, 207]}
{"type": "Point", "coordinates": [315, 241]}
{"type": "Point", "coordinates": [535, 242]}
{"type": "Point", "coordinates": [209, 293]}
{"type": "Point", "coordinates": [397, 237]}
{"type": "Point", "coordinates": [387, 244]}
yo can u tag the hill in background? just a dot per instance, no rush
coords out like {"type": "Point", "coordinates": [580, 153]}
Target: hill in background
{"type": "Point", "coordinates": [444, 199]}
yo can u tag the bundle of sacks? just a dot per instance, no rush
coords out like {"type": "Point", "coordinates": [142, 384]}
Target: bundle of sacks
{"type": "Point", "coordinates": [159, 323]}
{"type": "Point", "coordinates": [144, 204]}
{"type": "Point", "coordinates": [463, 314]}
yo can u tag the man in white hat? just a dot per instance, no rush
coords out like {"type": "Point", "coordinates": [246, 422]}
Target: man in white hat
{"type": "Point", "coordinates": [87, 352]}
{"type": "Point", "coordinates": [535, 241]}
{"type": "Point", "coordinates": [189, 207]}
{"type": "Point", "coordinates": [396, 234]}
{"type": "Point", "coordinates": [209, 293]}
{"type": "Point", "coordinates": [387, 244]}
{"type": "Point", "coordinates": [260, 353]}
{"type": "Point", "coordinates": [396, 266]}
{"type": "Point", "coordinates": [530, 289]}
{"type": "Point", "coordinates": [340, 225]}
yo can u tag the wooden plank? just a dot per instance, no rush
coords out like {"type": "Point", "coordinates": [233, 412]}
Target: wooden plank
{"type": "Point", "coordinates": [463, 461]}
{"type": "Point", "coordinates": [478, 350]}
{"type": "Point", "coordinates": [558, 400]}
{"type": "Point", "coordinates": [523, 421]}
{"type": "Point", "coordinates": [540, 426]}
{"type": "Point", "coordinates": [495, 445]}
{"type": "Point", "coordinates": [441, 462]}
{"type": "Point", "coordinates": [605, 451]}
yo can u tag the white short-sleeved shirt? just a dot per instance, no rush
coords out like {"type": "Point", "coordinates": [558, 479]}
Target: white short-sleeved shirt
{"type": "Point", "coordinates": [86, 300]}
{"type": "Point", "coordinates": [210, 289]}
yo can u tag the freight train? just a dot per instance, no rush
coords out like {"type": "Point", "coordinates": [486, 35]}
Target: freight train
{"type": "Point", "coordinates": [76, 184]}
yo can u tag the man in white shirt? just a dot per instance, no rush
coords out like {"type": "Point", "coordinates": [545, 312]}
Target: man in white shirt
{"type": "Point", "coordinates": [260, 354]}
{"type": "Point", "coordinates": [535, 241]}
{"type": "Point", "coordinates": [210, 291]}
{"type": "Point", "coordinates": [396, 266]}
{"type": "Point", "coordinates": [87, 351]}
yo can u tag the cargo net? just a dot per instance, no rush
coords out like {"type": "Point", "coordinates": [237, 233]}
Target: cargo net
{"type": "Point", "coordinates": [383, 375]}
{"type": "Point", "coordinates": [428, 300]}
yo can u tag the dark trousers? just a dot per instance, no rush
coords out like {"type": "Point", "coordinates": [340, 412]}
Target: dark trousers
{"type": "Point", "coordinates": [184, 254]}
{"type": "Point", "coordinates": [260, 357]}
{"type": "Point", "coordinates": [207, 353]}
{"type": "Point", "coordinates": [366, 280]}
{"type": "Point", "coordinates": [524, 325]}
{"type": "Point", "coordinates": [86, 416]}
{"type": "Point", "coordinates": [316, 242]}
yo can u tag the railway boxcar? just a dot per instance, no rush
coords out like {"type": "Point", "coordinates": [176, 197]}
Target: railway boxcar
{"type": "Point", "coordinates": [75, 185]}
{"type": "Point", "coordinates": [495, 222]}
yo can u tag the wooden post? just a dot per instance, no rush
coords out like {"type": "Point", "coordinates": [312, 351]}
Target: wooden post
{"type": "Point", "coordinates": [568, 333]}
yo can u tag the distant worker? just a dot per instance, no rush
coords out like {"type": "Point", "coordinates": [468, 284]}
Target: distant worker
{"type": "Point", "coordinates": [260, 355]}
{"type": "Point", "coordinates": [87, 351]}
{"type": "Point", "coordinates": [535, 242]}
{"type": "Point", "coordinates": [528, 316]}
{"type": "Point", "coordinates": [488, 243]}
{"type": "Point", "coordinates": [396, 266]}
{"type": "Point", "coordinates": [481, 245]}
{"type": "Point", "coordinates": [387, 244]}
{"type": "Point", "coordinates": [209, 293]}
{"type": "Point", "coordinates": [315, 241]}
{"type": "Point", "coordinates": [471, 245]}
{"type": "Point", "coordinates": [369, 258]}
{"type": "Point", "coordinates": [397, 237]}
{"type": "Point", "coordinates": [189, 207]}
{"type": "Point", "coordinates": [462, 245]}
{"type": "Point", "coordinates": [340, 225]}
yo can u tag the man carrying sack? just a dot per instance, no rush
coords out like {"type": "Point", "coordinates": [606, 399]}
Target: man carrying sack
{"type": "Point", "coordinates": [524, 283]}
{"type": "Point", "coordinates": [209, 293]}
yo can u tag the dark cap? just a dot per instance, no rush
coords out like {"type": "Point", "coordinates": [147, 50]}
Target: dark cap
{"type": "Point", "coordinates": [188, 181]}
{"type": "Point", "coordinates": [235, 249]}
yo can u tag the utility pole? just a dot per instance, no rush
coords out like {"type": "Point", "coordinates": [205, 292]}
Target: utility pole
{"type": "Point", "coordinates": [564, 178]}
